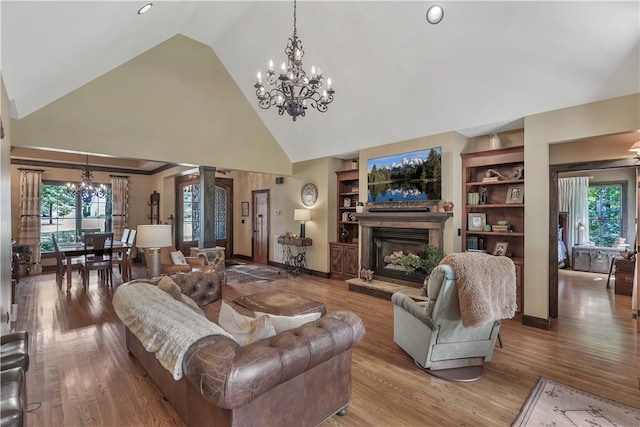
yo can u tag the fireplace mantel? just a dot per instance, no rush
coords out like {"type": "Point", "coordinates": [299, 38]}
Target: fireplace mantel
{"type": "Point", "coordinates": [403, 219]}
{"type": "Point", "coordinates": [433, 222]}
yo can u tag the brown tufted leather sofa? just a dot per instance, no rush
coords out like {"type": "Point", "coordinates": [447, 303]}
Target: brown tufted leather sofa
{"type": "Point", "coordinates": [299, 377]}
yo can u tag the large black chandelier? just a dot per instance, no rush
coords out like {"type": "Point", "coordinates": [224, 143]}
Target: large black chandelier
{"type": "Point", "coordinates": [86, 188]}
{"type": "Point", "coordinates": [293, 91]}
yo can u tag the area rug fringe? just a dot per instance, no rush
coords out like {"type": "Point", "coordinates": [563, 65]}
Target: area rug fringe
{"type": "Point", "coordinates": [554, 404]}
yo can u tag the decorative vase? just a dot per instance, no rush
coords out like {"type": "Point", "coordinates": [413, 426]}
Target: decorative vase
{"type": "Point", "coordinates": [447, 206]}
{"type": "Point", "coordinates": [495, 141]}
{"type": "Point", "coordinates": [359, 207]}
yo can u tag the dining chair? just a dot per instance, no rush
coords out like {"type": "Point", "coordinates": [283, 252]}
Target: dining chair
{"type": "Point", "coordinates": [61, 261]}
{"type": "Point", "coordinates": [102, 260]}
{"type": "Point", "coordinates": [123, 259]}
{"type": "Point", "coordinates": [125, 235]}
{"type": "Point", "coordinates": [130, 243]}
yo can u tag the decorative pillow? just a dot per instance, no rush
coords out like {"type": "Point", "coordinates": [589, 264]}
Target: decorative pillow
{"type": "Point", "coordinates": [169, 286]}
{"type": "Point", "coordinates": [244, 329]}
{"type": "Point", "coordinates": [284, 323]}
{"type": "Point", "coordinates": [192, 304]}
{"type": "Point", "coordinates": [178, 258]}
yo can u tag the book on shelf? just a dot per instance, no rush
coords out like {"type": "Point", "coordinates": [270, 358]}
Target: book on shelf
{"type": "Point", "coordinates": [475, 243]}
{"type": "Point", "coordinates": [491, 179]}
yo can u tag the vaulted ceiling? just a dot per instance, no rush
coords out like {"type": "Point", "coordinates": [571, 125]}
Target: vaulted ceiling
{"type": "Point", "coordinates": [397, 77]}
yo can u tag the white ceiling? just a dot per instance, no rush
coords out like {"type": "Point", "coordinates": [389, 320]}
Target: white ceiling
{"type": "Point", "coordinates": [397, 77]}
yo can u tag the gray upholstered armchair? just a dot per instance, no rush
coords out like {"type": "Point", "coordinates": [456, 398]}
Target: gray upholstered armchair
{"type": "Point", "coordinates": [442, 338]}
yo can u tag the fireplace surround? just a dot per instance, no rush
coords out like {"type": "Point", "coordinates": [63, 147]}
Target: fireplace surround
{"type": "Point", "coordinates": [385, 232]}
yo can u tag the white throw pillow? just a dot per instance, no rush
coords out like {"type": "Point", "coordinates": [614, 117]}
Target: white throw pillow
{"type": "Point", "coordinates": [284, 323]}
{"type": "Point", "coordinates": [244, 329]}
{"type": "Point", "coordinates": [178, 258]}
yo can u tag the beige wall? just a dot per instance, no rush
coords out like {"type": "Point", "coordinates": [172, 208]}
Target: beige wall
{"type": "Point", "coordinates": [284, 198]}
{"type": "Point", "coordinates": [5, 211]}
{"type": "Point", "coordinates": [583, 121]}
{"type": "Point", "coordinates": [191, 113]}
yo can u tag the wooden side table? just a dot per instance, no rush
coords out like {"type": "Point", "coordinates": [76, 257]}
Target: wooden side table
{"type": "Point", "coordinates": [295, 261]}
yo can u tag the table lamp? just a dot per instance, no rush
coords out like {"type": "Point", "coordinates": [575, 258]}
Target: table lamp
{"type": "Point", "coordinates": [302, 215]}
{"type": "Point", "coordinates": [152, 238]}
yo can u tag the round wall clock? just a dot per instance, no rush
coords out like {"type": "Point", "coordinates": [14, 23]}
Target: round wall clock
{"type": "Point", "coordinates": [309, 194]}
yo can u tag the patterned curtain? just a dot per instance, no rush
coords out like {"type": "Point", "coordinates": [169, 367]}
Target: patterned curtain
{"type": "Point", "coordinates": [29, 224]}
{"type": "Point", "coordinates": [573, 198]}
{"type": "Point", "coordinates": [119, 204]}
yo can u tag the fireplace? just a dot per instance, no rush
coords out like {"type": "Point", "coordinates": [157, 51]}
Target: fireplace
{"type": "Point", "coordinates": [390, 245]}
{"type": "Point", "coordinates": [385, 236]}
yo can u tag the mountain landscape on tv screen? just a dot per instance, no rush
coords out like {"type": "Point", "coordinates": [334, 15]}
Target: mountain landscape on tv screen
{"type": "Point", "coordinates": [413, 176]}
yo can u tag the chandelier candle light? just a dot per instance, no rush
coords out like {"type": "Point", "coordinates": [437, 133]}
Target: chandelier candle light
{"type": "Point", "coordinates": [293, 91]}
{"type": "Point", "coordinates": [86, 188]}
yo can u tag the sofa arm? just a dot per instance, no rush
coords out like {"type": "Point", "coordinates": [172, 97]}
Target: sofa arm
{"type": "Point", "coordinates": [230, 376]}
{"type": "Point", "coordinates": [174, 268]}
{"type": "Point", "coordinates": [195, 260]}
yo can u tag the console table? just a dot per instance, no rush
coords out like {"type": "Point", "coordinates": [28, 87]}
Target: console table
{"type": "Point", "coordinates": [294, 261]}
{"type": "Point", "coordinates": [595, 259]}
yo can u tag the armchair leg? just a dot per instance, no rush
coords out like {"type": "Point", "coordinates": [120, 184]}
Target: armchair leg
{"type": "Point", "coordinates": [499, 340]}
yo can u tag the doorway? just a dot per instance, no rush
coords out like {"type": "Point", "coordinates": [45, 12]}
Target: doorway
{"type": "Point", "coordinates": [187, 226]}
{"type": "Point", "coordinates": [555, 218]}
{"type": "Point", "coordinates": [260, 225]}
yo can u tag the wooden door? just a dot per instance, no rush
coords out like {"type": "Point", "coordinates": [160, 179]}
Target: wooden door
{"type": "Point", "coordinates": [260, 221]}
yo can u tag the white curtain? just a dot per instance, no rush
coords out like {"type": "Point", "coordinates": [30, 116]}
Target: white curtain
{"type": "Point", "coordinates": [119, 204]}
{"type": "Point", "coordinates": [29, 224]}
{"type": "Point", "coordinates": [573, 198]}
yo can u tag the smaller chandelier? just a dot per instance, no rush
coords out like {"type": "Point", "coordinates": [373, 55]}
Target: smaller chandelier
{"type": "Point", "coordinates": [293, 91]}
{"type": "Point", "coordinates": [86, 188]}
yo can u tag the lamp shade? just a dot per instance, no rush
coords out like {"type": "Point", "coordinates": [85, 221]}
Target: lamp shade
{"type": "Point", "coordinates": [302, 215]}
{"type": "Point", "coordinates": [635, 147]}
{"type": "Point", "coordinates": [153, 236]}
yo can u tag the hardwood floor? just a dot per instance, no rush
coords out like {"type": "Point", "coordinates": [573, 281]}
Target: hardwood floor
{"type": "Point", "coordinates": [82, 375]}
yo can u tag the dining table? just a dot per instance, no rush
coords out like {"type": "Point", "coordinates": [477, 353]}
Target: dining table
{"type": "Point", "coordinates": [78, 249]}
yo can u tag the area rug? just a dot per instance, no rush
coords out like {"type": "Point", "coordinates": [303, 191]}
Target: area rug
{"type": "Point", "coordinates": [553, 404]}
{"type": "Point", "coordinates": [252, 273]}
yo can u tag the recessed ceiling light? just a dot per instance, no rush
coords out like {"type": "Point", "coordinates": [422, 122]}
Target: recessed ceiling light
{"type": "Point", "coordinates": [145, 8]}
{"type": "Point", "coordinates": [435, 13]}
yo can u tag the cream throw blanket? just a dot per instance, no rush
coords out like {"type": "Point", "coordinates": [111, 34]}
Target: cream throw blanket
{"type": "Point", "coordinates": [486, 287]}
{"type": "Point", "coordinates": [163, 325]}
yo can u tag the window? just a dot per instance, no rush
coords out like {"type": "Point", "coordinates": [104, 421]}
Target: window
{"type": "Point", "coordinates": [606, 213]}
{"type": "Point", "coordinates": [68, 217]}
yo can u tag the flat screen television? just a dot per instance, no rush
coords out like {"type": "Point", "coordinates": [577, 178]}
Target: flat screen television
{"type": "Point", "coordinates": [412, 176]}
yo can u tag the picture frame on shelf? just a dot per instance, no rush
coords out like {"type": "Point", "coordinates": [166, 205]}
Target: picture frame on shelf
{"type": "Point", "coordinates": [346, 202]}
{"type": "Point", "coordinates": [476, 221]}
{"type": "Point", "coordinates": [501, 249]}
{"type": "Point", "coordinates": [245, 208]}
{"type": "Point", "coordinates": [515, 194]}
